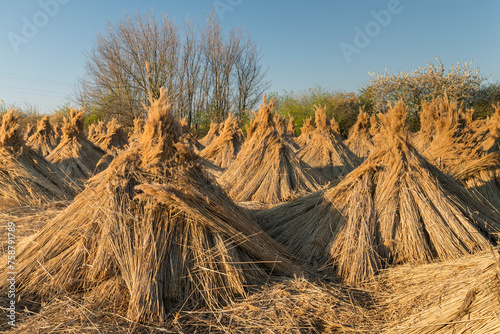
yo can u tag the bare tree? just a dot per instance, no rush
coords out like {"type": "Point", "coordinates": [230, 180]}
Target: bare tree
{"type": "Point", "coordinates": [205, 71]}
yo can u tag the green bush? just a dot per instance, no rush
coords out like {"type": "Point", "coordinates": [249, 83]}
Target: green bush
{"type": "Point", "coordinates": [343, 107]}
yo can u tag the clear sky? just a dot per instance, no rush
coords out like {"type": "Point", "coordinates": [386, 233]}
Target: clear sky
{"type": "Point", "coordinates": [305, 43]}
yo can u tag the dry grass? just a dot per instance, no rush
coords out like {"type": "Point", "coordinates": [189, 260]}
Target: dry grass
{"type": "Point", "coordinates": [76, 155]}
{"type": "Point", "coordinates": [395, 208]}
{"type": "Point", "coordinates": [149, 235]}
{"type": "Point", "coordinates": [137, 131]}
{"type": "Point", "coordinates": [26, 178]}
{"type": "Point", "coordinates": [224, 148]}
{"type": "Point", "coordinates": [44, 140]}
{"type": "Point", "coordinates": [456, 296]}
{"type": "Point", "coordinates": [360, 140]}
{"type": "Point", "coordinates": [326, 152]}
{"type": "Point", "coordinates": [266, 169]}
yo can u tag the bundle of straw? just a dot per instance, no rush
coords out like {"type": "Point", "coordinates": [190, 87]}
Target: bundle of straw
{"type": "Point", "coordinates": [96, 132]}
{"type": "Point", "coordinates": [224, 149]}
{"type": "Point", "coordinates": [76, 155]}
{"type": "Point", "coordinates": [149, 235]}
{"type": "Point", "coordinates": [188, 138]}
{"type": "Point", "coordinates": [326, 152]}
{"type": "Point", "coordinates": [211, 135]}
{"type": "Point", "coordinates": [114, 139]}
{"type": "Point", "coordinates": [305, 133]}
{"type": "Point", "coordinates": [266, 169]}
{"type": "Point", "coordinates": [360, 140]}
{"type": "Point", "coordinates": [395, 208]}
{"type": "Point", "coordinates": [44, 140]}
{"type": "Point", "coordinates": [26, 178]}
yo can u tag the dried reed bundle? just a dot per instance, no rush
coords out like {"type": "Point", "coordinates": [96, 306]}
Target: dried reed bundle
{"type": "Point", "coordinates": [334, 127]}
{"type": "Point", "coordinates": [57, 133]}
{"type": "Point", "coordinates": [374, 126]}
{"type": "Point", "coordinates": [26, 178]}
{"type": "Point", "coordinates": [305, 132]}
{"type": "Point", "coordinates": [44, 140]}
{"type": "Point", "coordinates": [290, 128]}
{"type": "Point", "coordinates": [224, 149]}
{"type": "Point", "coordinates": [188, 138]}
{"type": "Point", "coordinates": [76, 155]}
{"type": "Point", "coordinates": [456, 296]}
{"type": "Point", "coordinates": [137, 131]}
{"type": "Point", "coordinates": [282, 128]}
{"type": "Point", "coordinates": [97, 131]}
{"type": "Point", "coordinates": [149, 235]}
{"type": "Point", "coordinates": [457, 148]}
{"type": "Point", "coordinates": [395, 208]}
{"type": "Point", "coordinates": [266, 169]}
{"type": "Point", "coordinates": [29, 131]}
{"type": "Point", "coordinates": [280, 124]}
{"type": "Point", "coordinates": [115, 138]}
{"type": "Point", "coordinates": [211, 135]}
{"type": "Point", "coordinates": [491, 132]}
{"type": "Point", "coordinates": [326, 152]}
{"type": "Point", "coordinates": [360, 141]}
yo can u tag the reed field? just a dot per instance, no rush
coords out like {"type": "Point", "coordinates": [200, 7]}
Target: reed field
{"type": "Point", "coordinates": [251, 228]}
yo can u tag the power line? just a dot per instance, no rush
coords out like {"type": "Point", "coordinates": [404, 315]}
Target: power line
{"type": "Point", "coordinates": [25, 77]}
{"type": "Point", "coordinates": [32, 91]}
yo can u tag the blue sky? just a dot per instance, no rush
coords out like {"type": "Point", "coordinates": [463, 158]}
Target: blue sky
{"type": "Point", "coordinates": [301, 40]}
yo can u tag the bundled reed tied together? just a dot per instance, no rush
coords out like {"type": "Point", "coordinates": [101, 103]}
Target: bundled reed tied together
{"type": "Point", "coordinates": [224, 149]}
{"type": "Point", "coordinates": [455, 296]}
{"type": "Point", "coordinates": [305, 132]}
{"type": "Point", "coordinates": [394, 208]}
{"type": "Point", "coordinates": [457, 149]}
{"type": "Point", "coordinates": [97, 131]}
{"type": "Point", "coordinates": [282, 128]}
{"type": "Point", "coordinates": [137, 131]}
{"type": "Point", "coordinates": [149, 235]}
{"type": "Point", "coordinates": [29, 131]}
{"type": "Point", "coordinates": [57, 133]}
{"type": "Point", "coordinates": [360, 140]}
{"type": "Point", "coordinates": [290, 306]}
{"type": "Point", "coordinates": [290, 128]}
{"type": "Point", "coordinates": [188, 138]}
{"type": "Point", "coordinates": [334, 127]}
{"type": "Point", "coordinates": [211, 135]}
{"type": "Point", "coordinates": [491, 132]}
{"type": "Point", "coordinates": [266, 168]}
{"type": "Point", "coordinates": [44, 140]}
{"type": "Point", "coordinates": [76, 155]}
{"type": "Point", "coordinates": [26, 178]}
{"type": "Point", "coordinates": [326, 152]}
{"type": "Point", "coordinates": [374, 126]}
{"type": "Point", "coordinates": [115, 138]}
